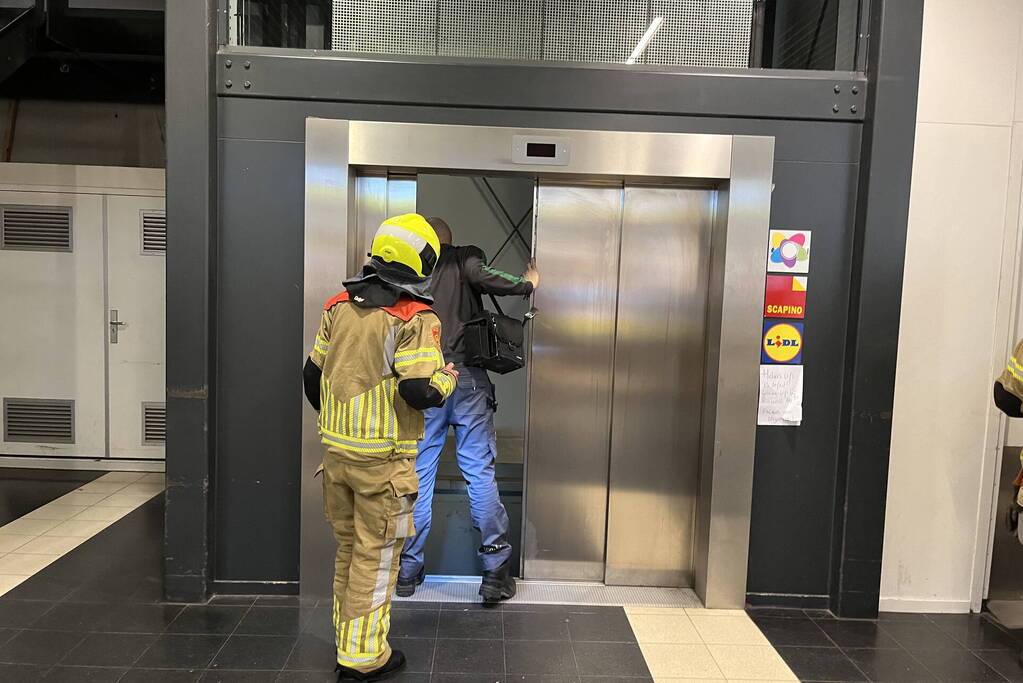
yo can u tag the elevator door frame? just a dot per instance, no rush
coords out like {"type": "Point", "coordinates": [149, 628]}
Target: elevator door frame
{"type": "Point", "coordinates": [739, 167]}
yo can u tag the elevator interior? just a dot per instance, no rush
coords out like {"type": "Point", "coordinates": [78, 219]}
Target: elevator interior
{"type": "Point", "coordinates": [626, 445]}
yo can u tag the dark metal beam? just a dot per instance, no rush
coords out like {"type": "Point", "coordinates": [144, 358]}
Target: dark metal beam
{"type": "Point", "coordinates": [191, 238]}
{"type": "Point", "coordinates": [324, 76]}
{"type": "Point", "coordinates": [882, 214]}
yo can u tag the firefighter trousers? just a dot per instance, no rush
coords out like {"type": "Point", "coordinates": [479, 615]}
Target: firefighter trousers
{"type": "Point", "coordinates": [369, 508]}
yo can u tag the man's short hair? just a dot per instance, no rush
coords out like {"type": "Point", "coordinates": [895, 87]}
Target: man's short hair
{"type": "Point", "coordinates": [442, 229]}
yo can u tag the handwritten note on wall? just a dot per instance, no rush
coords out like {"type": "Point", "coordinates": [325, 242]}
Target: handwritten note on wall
{"type": "Point", "coordinates": [781, 395]}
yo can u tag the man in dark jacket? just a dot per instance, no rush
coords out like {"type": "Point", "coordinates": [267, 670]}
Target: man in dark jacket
{"type": "Point", "coordinates": [459, 279]}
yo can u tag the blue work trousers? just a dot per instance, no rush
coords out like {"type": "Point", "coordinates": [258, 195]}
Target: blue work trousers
{"type": "Point", "coordinates": [470, 411]}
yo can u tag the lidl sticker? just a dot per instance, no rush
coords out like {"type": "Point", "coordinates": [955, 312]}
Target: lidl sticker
{"type": "Point", "coordinates": [783, 343]}
{"type": "Point", "coordinates": [785, 297]}
{"type": "Point", "coordinates": [789, 251]}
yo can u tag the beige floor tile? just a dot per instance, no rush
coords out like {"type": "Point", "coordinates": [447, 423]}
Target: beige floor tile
{"type": "Point", "coordinates": [670, 679]}
{"type": "Point", "coordinates": [9, 542]}
{"type": "Point", "coordinates": [55, 511]}
{"type": "Point", "coordinates": [123, 477]}
{"type": "Point", "coordinates": [703, 611]}
{"type": "Point", "coordinates": [9, 581]}
{"type": "Point", "coordinates": [680, 660]}
{"type": "Point", "coordinates": [78, 527]}
{"type": "Point", "coordinates": [153, 477]}
{"type": "Point", "coordinates": [126, 500]}
{"type": "Point", "coordinates": [728, 630]}
{"type": "Point", "coordinates": [751, 662]}
{"type": "Point", "coordinates": [100, 486]}
{"type": "Point", "coordinates": [26, 565]}
{"type": "Point", "coordinates": [51, 545]}
{"type": "Point", "coordinates": [664, 628]}
{"type": "Point", "coordinates": [81, 498]}
{"type": "Point", "coordinates": [655, 610]}
{"type": "Point", "coordinates": [103, 514]}
{"type": "Point", "coordinates": [29, 527]}
{"type": "Point", "coordinates": [151, 488]}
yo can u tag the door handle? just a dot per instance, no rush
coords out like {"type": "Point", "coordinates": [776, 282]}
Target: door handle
{"type": "Point", "coordinates": [115, 325]}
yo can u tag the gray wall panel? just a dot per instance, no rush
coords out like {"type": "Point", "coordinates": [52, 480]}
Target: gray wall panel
{"type": "Point", "coordinates": [258, 497]}
{"type": "Point", "coordinates": [285, 120]}
{"type": "Point", "coordinates": [260, 358]}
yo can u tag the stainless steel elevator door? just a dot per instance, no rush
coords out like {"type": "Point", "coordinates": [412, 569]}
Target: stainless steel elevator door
{"type": "Point", "coordinates": [378, 196]}
{"type": "Point", "coordinates": [658, 385]}
{"type": "Point", "coordinates": [576, 245]}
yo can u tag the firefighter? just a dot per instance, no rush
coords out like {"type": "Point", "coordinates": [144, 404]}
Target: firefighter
{"type": "Point", "coordinates": [375, 365]}
{"type": "Point", "coordinates": [1008, 395]}
{"type": "Point", "coordinates": [462, 275]}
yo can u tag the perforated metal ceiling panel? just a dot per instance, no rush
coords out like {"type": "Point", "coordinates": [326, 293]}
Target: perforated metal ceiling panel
{"type": "Point", "coordinates": [694, 32]}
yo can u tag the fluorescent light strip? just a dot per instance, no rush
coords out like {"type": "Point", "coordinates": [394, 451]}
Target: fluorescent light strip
{"type": "Point", "coordinates": [655, 25]}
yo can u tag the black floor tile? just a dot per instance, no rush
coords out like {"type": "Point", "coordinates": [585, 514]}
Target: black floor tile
{"type": "Point", "coordinates": [71, 616]}
{"type": "Point", "coordinates": [775, 613]}
{"type": "Point", "coordinates": [109, 649]}
{"type": "Point", "coordinates": [21, 613]}
{"type": "Point", "coordinates": [856, 634]}
{"type": "Point", "coordinates": [39, 587]}
{"type": "Point", "coordinates": [820, 664]}
{"type": "Point", "coordinates": [77, 674]}
{"type": "Point", "coordinates": [411, 677]}
{"type": "Point", "coordinates": [1005, 662]}
{"type": "Point", "coordinates": [22, 673]}
{"type": "Point", "coordinates": [468, 678]}
{"type": "Point", "coordinates": [407, 605]}
{"type": "Point", "coordinates": [24, 490]}
{"type": "Point", "coordinates": [954, 666]}
{"type": "Point", "coordinates": [901, 616]}
{"type": "Point", "coordinates": [889, 666]}
{"type": "Point", "coordinates": [611, 626]}
{"type": "Point", "coordinates": [208, 619]}
{"type": "Point", "coordinates": [819, 614]}
{"type": "Point", "coordinates": [160, 676]}
{"type": "Point", "coordinates": [313, 653]}
{"type": "Point", "coordinates": [535, 626]}
{"type": "Point", "coordinates": [254, 652]}
{"type": "Point", "coordinates": [526, 607]}
{"type": "Point", "coordinates": [551, 679]}
{"type": "Point", "coordinates": [609, 659]}
{"type": "Point", "coordinates": [273, 621]}
{"type": "Point", "coordinates": [284, 601]}
{"type": "Point", "coordinates": [307, 677]}
{"type": "Point", "coordinates": [920, 636]}
{"type": "Point", "coordinates": [615, 679]}
{"type": "Point", "coordinates": [39, 647]}
{"type": "Point", "coordinates": [793, 632]}
{"type": "Point", "coordinates": [174, 651]}
{"type": "Point", "coordinates": [975, 632]}
{"type": "Point", "coordinates": [418, 652]}
{"type": "Point", "coordinates": [239, 677]}
{"type": "Point", "coordinates": [234, 600]}
{"type": "Point", "coordinates": [469, 656]}
{"type": "Point", "coordinates": [539, 657]}
{"type": "Point", "coordinates": [7, 633]}
{"type": "Point", "coordinates": [414, 624]}
{"type": "Point", "coordinates": [471, 624]}
{"type": "Point", "coordinates": [139, 618]}
{"type": "Point", "coordinates": [320, 622]}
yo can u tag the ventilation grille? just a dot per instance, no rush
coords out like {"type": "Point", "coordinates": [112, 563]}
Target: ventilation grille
{"type": "Point", "coordinates": [39, 420]}
{"type": "Point", "coordinates": [35, 228]}
{"type": "Point", "coordinates": [154, 232]}
{"type": "Point", "coordinates": [694, 32]}
{"type": "Point", "coordinates": [154, 423]}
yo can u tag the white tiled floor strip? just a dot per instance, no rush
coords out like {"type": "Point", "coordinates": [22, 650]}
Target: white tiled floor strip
{"type": "Point", "coordinates": [705, 645]}
{"type": "Point", "coordinates": [42, 536]}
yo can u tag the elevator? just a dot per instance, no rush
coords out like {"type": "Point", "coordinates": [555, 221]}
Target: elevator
{"type": "Point", "coordinates": [639, 394]}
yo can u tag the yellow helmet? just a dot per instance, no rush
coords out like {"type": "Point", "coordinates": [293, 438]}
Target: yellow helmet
{"type": "Point", "coordinates": [407, 240]}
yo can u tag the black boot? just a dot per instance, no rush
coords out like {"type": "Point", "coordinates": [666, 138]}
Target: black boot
{"type": "Point", "coordinates": [393, 665]}
{"type": "Point", "coordinates": [497, 585]}
{"type": "Point", "coordinates": [406, 587]}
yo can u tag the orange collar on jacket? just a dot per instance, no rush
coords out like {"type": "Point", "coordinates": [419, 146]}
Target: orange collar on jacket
{"type": "Point", "coordinates": [403, 310]}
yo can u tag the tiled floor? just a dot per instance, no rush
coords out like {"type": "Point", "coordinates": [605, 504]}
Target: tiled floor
{"type": "Point", "coordinates": [94, 614]}
{"type": "Point", "coordinates": [25, 489]}
{"type": "Point", "coordinates": [49, 531]}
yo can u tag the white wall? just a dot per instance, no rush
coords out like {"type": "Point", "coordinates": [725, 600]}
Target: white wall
{"type": "Point", "coordinates": [960, 261]}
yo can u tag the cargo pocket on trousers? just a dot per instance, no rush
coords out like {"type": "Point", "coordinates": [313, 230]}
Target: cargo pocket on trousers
{"type": "Point", "coordinates": [399, 519]}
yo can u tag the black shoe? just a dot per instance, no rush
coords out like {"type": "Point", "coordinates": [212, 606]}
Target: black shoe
{"type": "Point", "coordinates": [497, 585]}
{"type": "Point", "coordinates": [395, 664]}
{"type": "Point", "coordinates": [406, 587]}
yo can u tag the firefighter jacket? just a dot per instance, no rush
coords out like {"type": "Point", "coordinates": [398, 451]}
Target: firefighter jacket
{"type": "Point", "coordinates": [364, 354]}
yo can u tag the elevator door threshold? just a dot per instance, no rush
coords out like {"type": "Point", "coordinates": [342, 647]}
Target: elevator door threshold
{"type": "Point", "coordinates": [465, 589]}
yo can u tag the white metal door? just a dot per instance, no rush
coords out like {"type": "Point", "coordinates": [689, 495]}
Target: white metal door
{"type": "Point", "coordinates": [136, 250]}
{"type": "Point", "coordinates": [51, 324]}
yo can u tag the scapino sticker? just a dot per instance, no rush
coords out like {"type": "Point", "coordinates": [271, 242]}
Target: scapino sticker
{"type": "Point", "coordinates": [785, 297]}
{"type": "Point", "coordinates": [783, 343]}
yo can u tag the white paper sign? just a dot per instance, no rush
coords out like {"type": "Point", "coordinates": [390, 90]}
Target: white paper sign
{"type": "Point", "coordinates": [781, 395]}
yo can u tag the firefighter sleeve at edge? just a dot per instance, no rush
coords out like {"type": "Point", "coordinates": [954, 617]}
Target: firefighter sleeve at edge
{"type": "Point", "coordinates": [1008, 390]}
{"type": "Point", "coordinates": [418, 363]}
{"type": "Point", "coordinates": [489, 280]}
